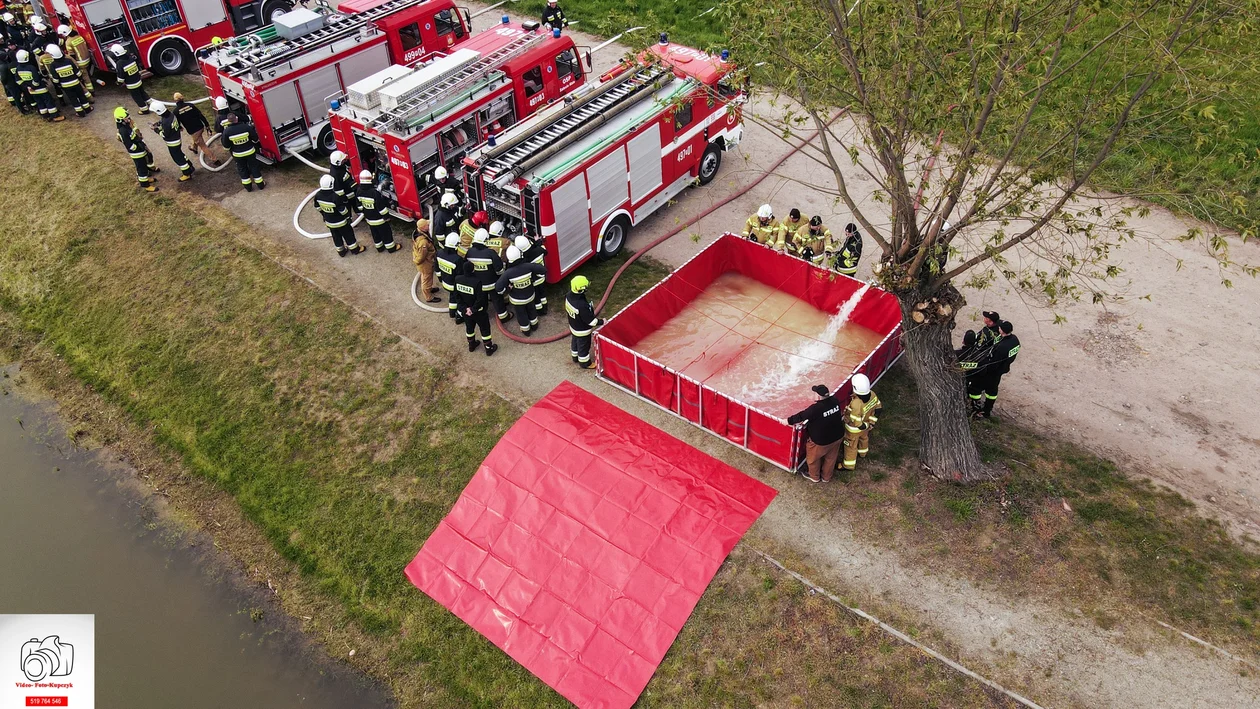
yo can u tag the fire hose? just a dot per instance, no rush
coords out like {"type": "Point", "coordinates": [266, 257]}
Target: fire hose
{"type": "Point", "coordinates": [657, 242]}
{"type": "Point", "coordinates": [201, 155]}
{"type": "Point", "coordinates": [315, 235]}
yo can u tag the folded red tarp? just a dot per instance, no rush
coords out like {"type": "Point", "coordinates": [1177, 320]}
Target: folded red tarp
{"type": "Point", "coordinates": [583, 543]}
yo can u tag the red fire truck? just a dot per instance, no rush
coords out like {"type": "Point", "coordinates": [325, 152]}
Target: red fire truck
{"type": "Point", "coordinates": [581, 173]}
{"type": "Point", "coordinates": [284, 83]}
{"type": "Point", "coordinates": [162, 33]}
{"type": "Point", "coordinates": [401, 126]}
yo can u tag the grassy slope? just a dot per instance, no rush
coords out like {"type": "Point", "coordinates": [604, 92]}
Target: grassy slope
{"type": "Point", "coordinates": [344, 447]}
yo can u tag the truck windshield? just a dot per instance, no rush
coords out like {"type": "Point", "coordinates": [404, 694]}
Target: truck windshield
{"type": "Point", "coordinates": [447, 22]}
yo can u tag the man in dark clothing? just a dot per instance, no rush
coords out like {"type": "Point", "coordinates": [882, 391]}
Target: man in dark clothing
{"type": "Point", "coordinates": [242, 140]}
{"type": "Point", "coordinates": [488, 266]}
{"type": "Point", "coordinates": [553, 16]}
{"type": "Point", "coordinates": [136, 149]}
{"type": "Point", "coordinates": [968, 356]}
{"type": "Point", "coordinates": [8, 77]}
{"type": "Point", "coordinates": [536, 253]}
{"type": "Point", "coordinates": [32, 82]}
{"type": "Point", "coordinates": [194, 123]}
{"type": "Point", "coordinates": [582, 321]}
{"type": "Point", "coordinates": [983, 390]}
{"type": "Point", "coordinates": [474, 305]}
{"type": "Point", "coordinates": [372, 206]}
{"type": "Point", "coordinates": [336, 214]}
{"type": "Point", "coordinates": [850, 253]}
{"type": "Point", "coordinates": [449, 265]}
{"type": "Point", "coordinates": [128, 69]}
{"type": "Point", "coordinates": [517, 282]}
{"type": "Point", "coordinates": [442, 184]}
{"type": "Point", "coordinates": [989, 334]}
{"type": "Point", "coordinates": [446, 217]}
{"type": "Point", "coordinates": [824, 430]}
{"type": "Point", "coordinates": [340, 171]}
{"type": "Point", "coordinates": [168, 128]}
{"type": "Point", "coordinates": [66, 74]}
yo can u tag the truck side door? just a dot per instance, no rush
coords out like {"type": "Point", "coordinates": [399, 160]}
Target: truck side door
{"type": "Point", "coordinates": [568, 72]}
{"type": "Point", "coordinates": [532, 88]}
{"type": "Point", "coordinates": [449, 27]}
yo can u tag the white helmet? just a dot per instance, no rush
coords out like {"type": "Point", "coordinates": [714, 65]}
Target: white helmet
{"type": "Point", "coordinates": [22, 55]}
{"type": "Point", "coordinates": [337, 157]}
{"type": "Point", "coordinates": [452, 240]}
{"type": "Point", "coordinates": [496, 229]}
{"type": "Point", "coordinates": [861, 385]}
{"type": "Point", "coordinates": [513, 254]}
{"type": "Point", "coordinates": [449, 200]}
{"type": "Point", "coordinates": [63, 30]}
{"type": "Point", "coordinates": [765, 212]}
{"type": "Point", "coordinates": [38, 26]}
{"type": "Point", "coordinates": [523, 243]}
{"type": "Point", "coordinates": [117, 49]}
{"type": "Point", "coordinates": [365, 176]}
{"type": "Point", "coordinates": [480, 236]}
{"type": "Point", "coordinates": [157, 107]}
{"type": "Point", "coordinates": [326, 182]}
{"type": "Point", "coordinates": [53, 51]}
{"type": "Point", "coordinates": [7, 17]}
{"type": "Point", "coordinates": [220, 103]}
{"type": "Point", "coordinates": [439, 173]}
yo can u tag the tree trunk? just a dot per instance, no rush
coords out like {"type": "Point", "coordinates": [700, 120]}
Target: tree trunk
{"type": "Point", "coordinates": [946, 448]}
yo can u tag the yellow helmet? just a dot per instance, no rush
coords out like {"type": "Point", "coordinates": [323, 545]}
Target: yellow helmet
{"type": "Point", "coordinates": [120, 113]}
{"type": "Point", "coordinates": [579, 284]}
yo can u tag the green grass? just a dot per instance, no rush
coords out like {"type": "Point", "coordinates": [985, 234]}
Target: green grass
{"type": "Point", "coordinates": [1118, 540]}
{"type": "Point", "coordinates": [343, 447]}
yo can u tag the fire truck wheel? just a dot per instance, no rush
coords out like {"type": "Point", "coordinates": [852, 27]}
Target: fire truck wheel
{"type": "Point", "coordinates": [709, 163]}
{"type": "Point", "coordinates": [614, 238]}
{"type": "Point", "coordinates": [171, 57]}
{"type": "Point", "coordinates": [272, 8]}
{"type": "Point", "coordinates": [326, 143]}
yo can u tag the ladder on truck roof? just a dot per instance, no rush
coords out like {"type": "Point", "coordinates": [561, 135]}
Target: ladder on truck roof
{"type": "Point", "coordinates": [513, 157]}
{"type": "Point", "coordinates": [397, 118]}
{"type": "Point", "coordinates": [258, 58]}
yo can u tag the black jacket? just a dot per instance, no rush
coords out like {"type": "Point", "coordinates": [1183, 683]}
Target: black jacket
{"type": "Point", "coordinates": [824, 421]}
{"type": "Point", "coordinates": [1002, 355]}
{"type": "Point", "coordinates": [582, 320]}
{"type": "Point", "coordinates": [518, 281]}
{"type": "Point", "coordinates": [332, 208]}
{"type": "Point", "coordinates": [370, 202]}
{"type": "Point", "coordinates": [449, 263]}
{"type": "Point", "coordinates": [554, 17]}
{"type": "Point", "coordinates": [445, 221]}
{"type": "Point", "coordinates": [240, 139]}
{"type": "Point", "coordinates": [190, 117]}
{"type": "Point", "coordinates": [469, 294]}
{"type": "Point", "coordinates": [168, 128]}
{"type": "Point", "coordinates": [487, 264]}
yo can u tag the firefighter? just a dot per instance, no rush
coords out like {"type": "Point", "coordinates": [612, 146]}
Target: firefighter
{"type": "Point", "coordinates": [8, 28]}
{"type": "Point", "coordinates": [372, 205]}
{"type": "Point", "coordinates": [32, 82]}
{"type": "Point", "coordinates": [76, 48]}
{"type": "Point", "coordinates": [824, 430]}
{"type": "Point", "coordinates": [8, 77]}
{"type": "Point", "coordinates": [241, 139]}
{"type": "Point", "coordinates": [518, 282]}
{"type": "Point", "coordinates": [422, 253]}
{"type": "Point", "coordinates": [535, 253]}
{"type": "Point", "coordinates": [989, 334]}
{"type": "Point", "coordinates": [332, 207]}
{"type": "Point", "coordinates": [553, 16]}
{"type": "Point", "coordinates": [473, 303]}
{"type": "Point", "coordinates": [222, 112]}
{"type": "Point", "coordinates": [340, 171]}
{"type": "Point", "coordinates": [499, 241]}
{"type": "Point", "coordinates": [846, 260]}
{"type": "Point", "coordinates": [194, 123]}
{"type": "Point", "coordinates": [761, 227]}
{"type": "Point", "coordinates": [814, 241]}
{"type": "Point", "coordinates": [44, 61]}
{"type": "Point", "coordinates": [582, 321]}
{"type": "Point", "coordinates": [66, 74]}
{"type": "Point", "coordinates": [441, 181]}
{"type": "Point", "coordinates": [785, 239]}
{"type": "Point", "coordinates": [997, 362]}
{"type": "Point", "coordinates": [131, 139]}
{"type": "Point", "coordinates": [449, 265]}
{"type": "Point", "coordinates": [479, 221]}
{"type": "Point", "coordinates": [128, 68]}
{"type": "Point", "coordinates": [859, 418]}
{"type": "Point", "coordinates": [488, 266]}
{"type": "Point", "coordinates": [168, 128]}
{"type": "Point", "coordinates": [446, 217]}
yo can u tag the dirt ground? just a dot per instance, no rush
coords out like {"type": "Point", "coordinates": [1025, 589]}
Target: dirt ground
{"type": "Point", "coordinates": [1160, 385]}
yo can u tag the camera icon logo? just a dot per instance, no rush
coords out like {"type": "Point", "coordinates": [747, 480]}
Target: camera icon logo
{"type": "Point", "coordinates": [47, 658]}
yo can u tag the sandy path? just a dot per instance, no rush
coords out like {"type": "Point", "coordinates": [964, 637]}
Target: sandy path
{"type": "Point", "coordinates": [1174, 407]}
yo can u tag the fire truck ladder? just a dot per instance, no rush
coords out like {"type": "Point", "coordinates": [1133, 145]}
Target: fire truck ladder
{"type": "Point", "coordinates": [260, 57]}
{"type": "Point", "coordinates": [446, 88]}
{"type": "Point", "coordinates": [511, 159]}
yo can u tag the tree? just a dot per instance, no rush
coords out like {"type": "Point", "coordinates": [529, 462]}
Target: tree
{"type": "Point", "coordinates": [1033, 95]}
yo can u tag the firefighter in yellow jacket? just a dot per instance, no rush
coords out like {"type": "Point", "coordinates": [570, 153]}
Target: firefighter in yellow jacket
{"type": "Point", "coordinates": [762, 227]}
{"type": "Point", "coordinates": [859, 417]}
{"type": "Point", "coordinates": [423, 254]}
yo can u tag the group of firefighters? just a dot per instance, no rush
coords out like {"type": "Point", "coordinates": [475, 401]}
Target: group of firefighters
{"type": "Point", "coordinates": [810, 240]}
{"type": "Point", "coordinates": [43, 70]}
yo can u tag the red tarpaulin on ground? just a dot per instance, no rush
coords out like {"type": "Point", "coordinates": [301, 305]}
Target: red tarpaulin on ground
{"type": "Point", "coordinates": [583, 543]}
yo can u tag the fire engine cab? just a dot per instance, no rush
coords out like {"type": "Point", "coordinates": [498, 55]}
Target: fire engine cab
{"type": "Point", "coordinates": [282, 77]}
{"type": "Point", "coordinates": [402, 123]}
{"type": "Point", "coordinates": [579, 174]}
{"type": "Point", "coordinates": [162, 33]}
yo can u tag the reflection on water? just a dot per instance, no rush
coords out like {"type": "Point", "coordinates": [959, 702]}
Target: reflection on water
{"type": "Point", "coordinates": [170, 632]}
{"type": "Point", "coordinates": [760, 345]}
